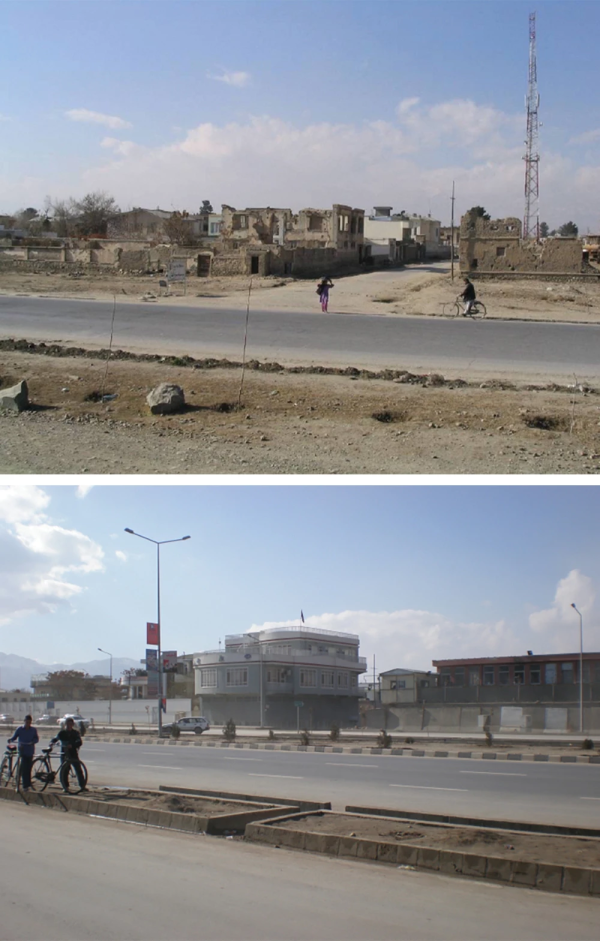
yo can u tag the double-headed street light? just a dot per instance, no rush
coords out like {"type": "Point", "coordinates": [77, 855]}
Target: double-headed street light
{"type": "Point", "coordinates": [574, 606]}
{"type": "Point", "coordinates": [158, 543]}
{"type": "Point", "coordinates": [110, 687]}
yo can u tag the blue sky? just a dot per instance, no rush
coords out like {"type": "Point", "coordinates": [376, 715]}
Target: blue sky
{"type": "Point", "coordinates": [291, 103]}
{"type": "Point", "coordinates": [419, 572]}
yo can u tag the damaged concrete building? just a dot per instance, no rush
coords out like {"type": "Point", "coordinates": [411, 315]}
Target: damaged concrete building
{"type": "Point", "coordinates": [494, 248]}
{"type": "Point", "coordinates": [310, 243]}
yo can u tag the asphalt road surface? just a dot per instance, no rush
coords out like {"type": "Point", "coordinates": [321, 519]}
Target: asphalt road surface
{"type": "Point", "coordinates": [529, 791]}
{"type": "Point", "coordinates": [69, 878]}
{"type": "Point", "coordinates": [556, 351]}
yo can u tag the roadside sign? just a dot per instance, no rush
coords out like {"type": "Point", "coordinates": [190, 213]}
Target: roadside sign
{"type": "Point", "coordinates": [298, 705]}
{"type": "Point", "coordinates": [177, 270]}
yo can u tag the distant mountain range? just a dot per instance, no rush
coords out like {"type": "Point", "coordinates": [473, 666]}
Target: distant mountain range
{"type": "Point", "coordinates": [16, 672]}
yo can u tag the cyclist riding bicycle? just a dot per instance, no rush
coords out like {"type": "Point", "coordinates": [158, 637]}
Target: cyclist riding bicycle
{"type": "Point", "coordinates": [70, 743]}
{"type": "Point", "coordinates": [468, 296]}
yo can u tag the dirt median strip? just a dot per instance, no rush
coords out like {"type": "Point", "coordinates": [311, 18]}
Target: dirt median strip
{"type": "Point", "coordinates": [358, 837]}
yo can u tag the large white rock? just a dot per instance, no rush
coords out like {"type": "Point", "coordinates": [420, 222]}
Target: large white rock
{"type": "Point", "coordinates": [166, 398]}
{"type": "Point", "coordinates": [15, 398]}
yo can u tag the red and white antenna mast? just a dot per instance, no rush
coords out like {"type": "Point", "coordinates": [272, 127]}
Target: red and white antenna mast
{"type": "Point", "coordinates": [531, 221]}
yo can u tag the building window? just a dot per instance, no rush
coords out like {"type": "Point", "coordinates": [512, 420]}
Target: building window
{"type": "Point", "coordinates": [237, 677]}
{"type": "Point", "coordinates": [445, 677]}
{"type": "Point", "coordinates": [567, 673]}
{"type": "Point", "coordinates": [503, 674]}
{"type": "Point", "coordinates": [343, 680]}
{"type": "Point", "coordinates": [308, 677]}
{"type": "Point", "coordinates": [208, 677]}
{"type": "Point", "coordinates": [361, 225]}
{"type": "Point", "coordinates": [550, 671]}
{"type": "Point", "coordinates": [519, 674]}
{"type": "Point", "coordinates": [459, 676]}
{"type": "Point", "coordinates": [535, 673]}
{"type": "Point", "coordinates": [327, 679]}
{"type": "Point", "coordinates": [488, 676]}
{"type": "Point", "coordinates": [277, 675]}
{"type": "Point", "coordinates": [243, 222]}
{"type": "Point", "coordinates": [473, 676]}
{"type": "Point", "coordinates": [500, 251]}
{"type": "Point", "coordinates": [398, 684]}
{"type": "Point", "coordinates": [215, 228]}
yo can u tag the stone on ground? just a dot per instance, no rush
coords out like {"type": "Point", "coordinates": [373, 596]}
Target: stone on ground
{"type": "Point", "coordinates": [166, 398]}
{"type": "Point", "coordinates": [15, 398]}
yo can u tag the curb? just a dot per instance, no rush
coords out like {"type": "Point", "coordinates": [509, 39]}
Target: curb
{"type": "Point", "coordinates": [358, 750]}
{"type": "Point", "coordinates": [546, 876]}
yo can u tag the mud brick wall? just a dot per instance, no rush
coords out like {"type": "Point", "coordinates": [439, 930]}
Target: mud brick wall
{"type": "Point", "coordinates": [495, 247]}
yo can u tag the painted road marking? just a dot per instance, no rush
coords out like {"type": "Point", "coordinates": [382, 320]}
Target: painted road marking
{"type": "Point", "coordinates": [296, 777]}
{"type": "Point", "coordinates": [349, 764]}
{"type": "Point", "coordinates": [161, 767]}
{"type": "Point", "coordinates": [424, 787]}
{"type": "Point", "coordinates": [231, 758]}
{"type": "Point", "coordinates": [589, 798]}
{"type": "Point", "coordinates": [504, 774]}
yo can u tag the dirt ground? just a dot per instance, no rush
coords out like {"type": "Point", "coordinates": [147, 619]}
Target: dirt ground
{"type": "Point", "coordinates": [289, 422]}
{"type": "Point", "coordinates": [419, 290]}
{"type": "Point", "coordinates": [507, 844]}
{"type": "Point", "coordinates": [173, 803]}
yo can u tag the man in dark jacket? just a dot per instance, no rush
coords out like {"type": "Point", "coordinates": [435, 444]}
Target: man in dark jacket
{"type": "Point", "coordinates": [70, 743]}
{"type": "Point", "coordinates": [27, 737]}
{"type": "Point", "coordinates": [468, 296]}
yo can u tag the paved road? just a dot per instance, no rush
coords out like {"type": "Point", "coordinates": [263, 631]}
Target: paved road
{"type": "Point", "coordinates": [566, 794]}
{"type": "Point", "coordinates": [417, 343]}
{"type": "Point", "coordinates": [69, 878]}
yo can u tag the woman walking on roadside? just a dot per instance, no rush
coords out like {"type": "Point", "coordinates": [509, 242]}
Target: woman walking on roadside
{"type": "Point", "coordinates": [323, 292]}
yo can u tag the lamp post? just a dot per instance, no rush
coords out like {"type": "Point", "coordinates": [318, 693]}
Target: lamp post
{"type": "Point", "coordinates": [574, 606]}
{"type": "Point", "coordinates": [110, 687]}
{"type": "Point", "coordinates": [158, 543]}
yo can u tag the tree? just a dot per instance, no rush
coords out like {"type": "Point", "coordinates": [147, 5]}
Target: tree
{"type": "Point", "coordinates": [64, 215]}
{"type": "Point", "coordinates": [480, 212]}
{"type": "Point", "coordinates": [544, 230]}
{"type": "Point", "coordinates": [177, 228]}
{"type": "Point", "coordinates": [568, 228]}
{"type": "Point", "coordinates": [93, 212]}
{"type": "Point", "coordinates": [206, 206]}
{"type": "Point", "coordinates": [24, 216]}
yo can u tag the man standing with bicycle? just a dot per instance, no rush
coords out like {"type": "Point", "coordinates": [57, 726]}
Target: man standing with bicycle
{"type": "Point", "coordinates": [70, 743]}
{"type": "Point", "coordinates": [27, 737]}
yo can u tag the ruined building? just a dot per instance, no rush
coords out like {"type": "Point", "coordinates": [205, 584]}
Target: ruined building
{"type": "Point", "coordinates": [494, 247]}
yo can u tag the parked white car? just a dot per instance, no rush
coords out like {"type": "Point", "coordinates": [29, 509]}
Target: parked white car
{"type": "Point", "coordinates": [197, 724]}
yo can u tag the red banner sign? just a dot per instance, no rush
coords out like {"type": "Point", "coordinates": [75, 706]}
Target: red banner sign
{"type": "Point", "coordinates": [152, 634]}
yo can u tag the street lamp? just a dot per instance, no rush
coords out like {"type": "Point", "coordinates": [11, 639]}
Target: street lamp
{"type": "Point", "coordinates": [110, 687]}
{"type": "Point", "coordinates": [574, 606]}
{"type": "Point", "coordinates": [158, 543]}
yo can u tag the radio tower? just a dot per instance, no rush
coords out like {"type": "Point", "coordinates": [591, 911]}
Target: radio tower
{"type": "Point", "coordinates": [531, 222]}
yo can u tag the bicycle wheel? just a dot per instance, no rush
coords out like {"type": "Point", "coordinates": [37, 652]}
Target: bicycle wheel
{"type": "Point", "coordinates": [41, 773]}
{"type": "Point", "coordinates": [458, 309]}
{"type": "Point", "coordinates": [68, 777]}
{"type": "Point", "coordinates": [5, 771]}
{"type": "Point", "coordinates": [478, 310]}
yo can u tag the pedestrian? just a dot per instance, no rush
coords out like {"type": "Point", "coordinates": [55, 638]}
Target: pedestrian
{"type": "Point", "coordinates": [323, 291]}
{"type": "Point", "coordinates": [70, 743]}
{"type": "Point", "coordinates": [27, 737]}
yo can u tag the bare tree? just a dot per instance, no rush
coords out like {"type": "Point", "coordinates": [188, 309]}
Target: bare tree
{"type": "Point", "coordinates": [93, 213]}
{"type": "Point", "coordinates": [64, 215]}
{"type": "Point", "coordinates": [178, 228]}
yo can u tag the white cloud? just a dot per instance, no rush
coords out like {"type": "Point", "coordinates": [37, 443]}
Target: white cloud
{"type": "Point", "coordinates": [96, 117]}
{"type": "Point", "coordinates": [586, 138]}
{"type": "Point", "coordinates": [39, 560]}
{"type": "Point", "coordinates": [83, 490]}
{"type": "Point", "coordinates": [124, 147]}
{"type": "Point", "coordinates": [121, 555]}
{"type": "Point", "coordinates": [412, 638]}
{"type": "Point", "coordinates": [237, 79]}
{"type": "Point", "coordinates": [558, 625]}
{"type": "Point", "coordinates": [406, 104]}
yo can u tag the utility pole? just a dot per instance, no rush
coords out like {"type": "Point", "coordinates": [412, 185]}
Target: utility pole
{"type": "Point", "coordinates": [531, 220]}
{"type": "Point", "coordinates": [452, 235]}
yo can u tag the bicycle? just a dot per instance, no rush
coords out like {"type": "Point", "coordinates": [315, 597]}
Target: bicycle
{"type": "Point", "coordinates": [44, 774]}
{"type": "Point", "coordinates": [10, 767]}
{"type": "Point", "coordinates": [457, 309]}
